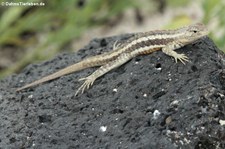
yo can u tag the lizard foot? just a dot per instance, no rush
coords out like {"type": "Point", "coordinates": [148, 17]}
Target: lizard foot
{"type": "Point", "coordinates": [88, 82]}
{"type": "Point", "coordinates": [116, 45]}
{"type": "Point", "coordinates": [181, 57]}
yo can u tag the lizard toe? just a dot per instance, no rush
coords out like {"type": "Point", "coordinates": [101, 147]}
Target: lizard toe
{"type": "Point", "coordinates": [86, 85]}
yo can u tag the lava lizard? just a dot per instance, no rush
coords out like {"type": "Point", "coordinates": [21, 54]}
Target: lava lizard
{"type": "Point", "coordinates": [141, 43]}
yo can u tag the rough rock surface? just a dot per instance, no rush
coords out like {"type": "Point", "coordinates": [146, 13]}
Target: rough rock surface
{"type": "Point", "coordinates": [150, 102]}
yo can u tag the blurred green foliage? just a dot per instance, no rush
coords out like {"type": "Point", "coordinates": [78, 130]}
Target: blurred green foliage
{"type": "Point", "coordinates": [175, 3]}
{"type": "Point", "coordinates": [58, 22]}
{"type": "Point", "coordinates": [214, 14]}
{"type": "Point", "coordinates": [214, 11]}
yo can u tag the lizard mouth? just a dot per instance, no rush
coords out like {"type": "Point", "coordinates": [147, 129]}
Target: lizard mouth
{"type": "Point", "coordinates": [200, 39]}
{"type": "Point", "coordinates": [205, 32]}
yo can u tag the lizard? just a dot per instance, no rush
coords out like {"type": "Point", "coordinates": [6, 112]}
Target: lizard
{"type": "Point", "coordinates": [141, 43]}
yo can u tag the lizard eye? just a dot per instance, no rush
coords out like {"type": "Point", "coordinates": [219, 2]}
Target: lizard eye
{"type": "Point", "coordinates": [194, 31]}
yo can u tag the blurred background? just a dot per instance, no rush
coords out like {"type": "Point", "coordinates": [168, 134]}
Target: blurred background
{"type": "Point", "coordinates": [37, 30]}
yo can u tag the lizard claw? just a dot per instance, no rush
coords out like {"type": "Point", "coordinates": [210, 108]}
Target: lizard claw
{"type": "Point", "coordinates": [88, 82]}
{"type": "Point", "coordinates": [181, 57]}
{"type": "Point", "coordinates": [116, 45]}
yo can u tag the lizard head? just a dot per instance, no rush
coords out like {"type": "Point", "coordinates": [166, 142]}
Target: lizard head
{"type": "Point", "coordinates": [193, 32]}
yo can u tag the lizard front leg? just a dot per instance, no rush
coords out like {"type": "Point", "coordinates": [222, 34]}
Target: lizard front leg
{"type": "Point", "coordinates": [169, 50]}
{"type": "Point", "coordinates": [120, 60]}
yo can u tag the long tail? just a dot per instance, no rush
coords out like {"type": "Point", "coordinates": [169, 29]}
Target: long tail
{"type": "Point", "coordinates": [70, 69]}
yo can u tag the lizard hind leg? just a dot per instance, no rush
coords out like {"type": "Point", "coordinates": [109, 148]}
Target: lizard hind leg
{"type": "Point", "coordinates": [120, 60]}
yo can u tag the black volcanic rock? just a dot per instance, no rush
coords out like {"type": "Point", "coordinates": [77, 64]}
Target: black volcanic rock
{"type": "Point", "coordinates": [150, 102]}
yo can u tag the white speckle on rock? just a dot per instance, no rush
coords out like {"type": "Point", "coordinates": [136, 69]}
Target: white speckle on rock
{"type": "Point", "coordinates": [156, 114]}
{"type": "Point", "coordinates": [21, 81]}
{"type": "Point", "coordinates": [30, 96]}
{"type": "Point", "coordinates": [222, 122]}
{"type": "Point", "coordinates": [103, 128]}
{"type": "Point", "coordinates": [187, 141]}
{"type": "Point", "coordinates": [159, 68]}
{"type": "Point", "coordinates": [115, 90]}
{"type": "Point", "coordinates": [175, 102]}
